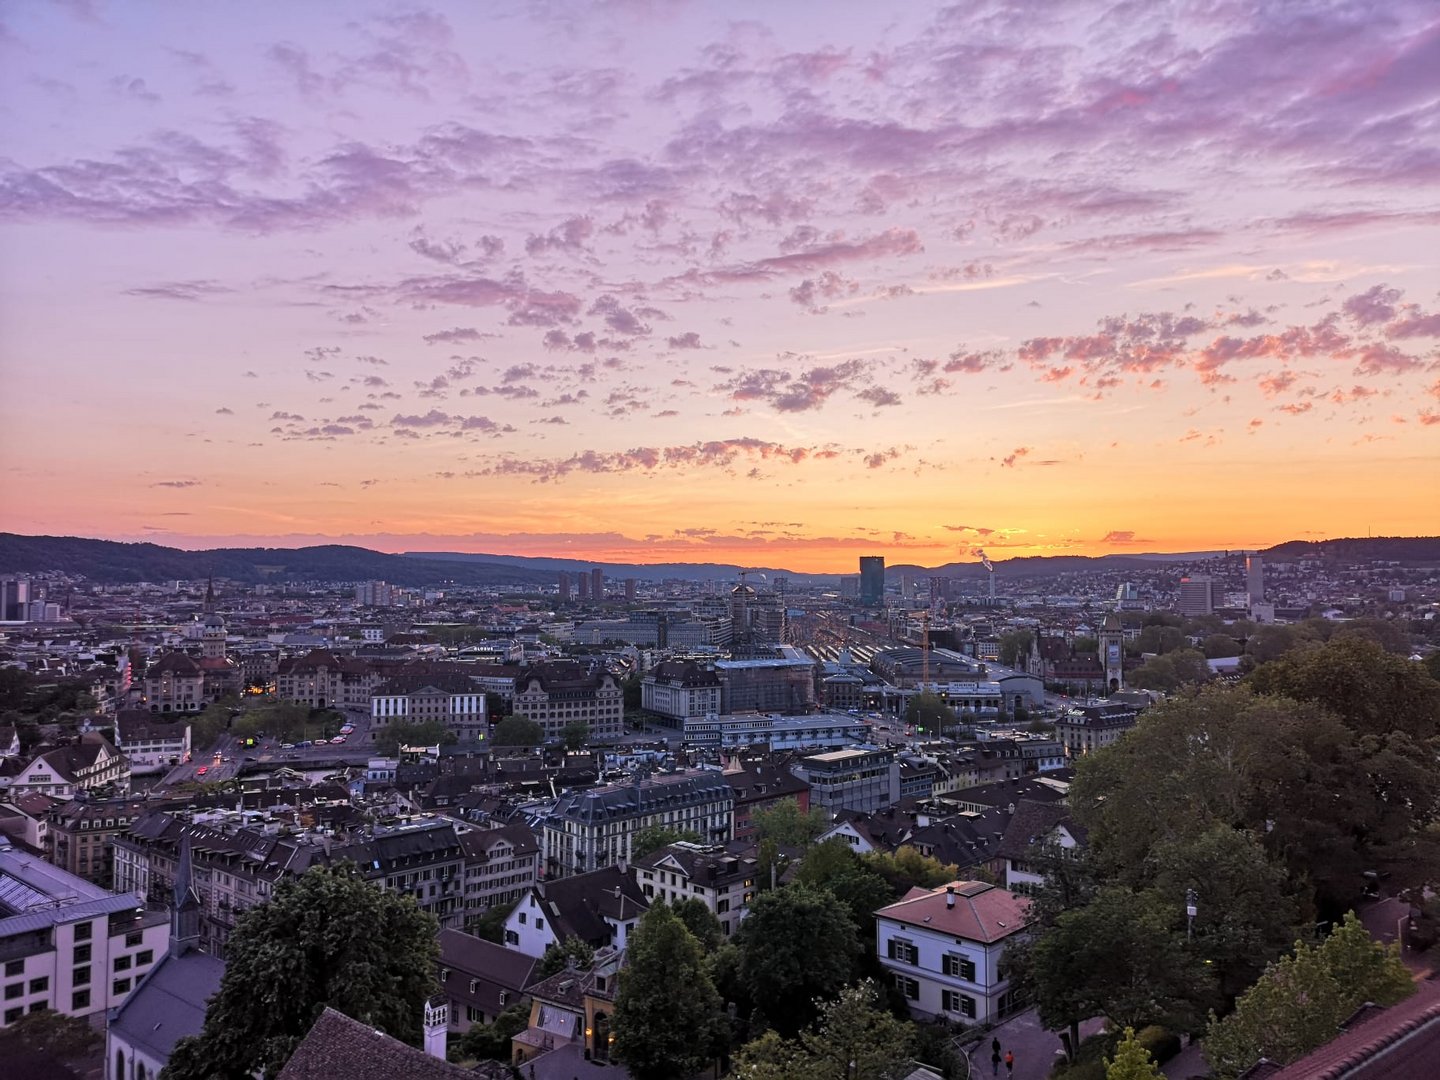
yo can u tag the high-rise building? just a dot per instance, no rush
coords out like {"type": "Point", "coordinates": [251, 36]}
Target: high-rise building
{"type": "Point", "coordinates": [872, 579]}
{"type": "Point", "coordinates": [583, 579]}
{"type": "Point", "coordinates": [1197, 595]}
{"type": "Point", "coordinates": [1255, 578]}
{"type": "Point", "coordinates": [597, 584]}
{"type": "Point", "coordinates": [564, 587]}
{"type": "Point", "coordinates": [631, 586]}
{"type": "Point", "coordinates": [14, 599]}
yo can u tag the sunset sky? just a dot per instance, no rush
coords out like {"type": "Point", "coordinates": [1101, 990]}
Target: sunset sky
{"type": "Point", "coordinates": [771, 283]}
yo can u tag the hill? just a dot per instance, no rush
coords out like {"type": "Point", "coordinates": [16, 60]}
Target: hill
{"type": "Point", "coordinates": [113, 562]}
{"type": "Point", "coordinates": [1413, 550]}
{"type": "Point", "coordinates": [644, 571]}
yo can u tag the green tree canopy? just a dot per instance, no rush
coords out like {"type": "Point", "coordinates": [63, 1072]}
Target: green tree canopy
{"type": "Point", "coordinates": [1014, 645]}
{"type": "Point", "coordinates": [797, 944]}
{"type": "Point", "coordinates": [1171, 671]}
{"type": "Point", "coordinates": [835, 867]}
{"type": "Point", "coordinates": [854, 1037]}
{"type": "Point", "coordinates": [559, 954]}
{"type": "Point", "coordinates": [491, 1042]}
{"type": "Point", "coordinates": [575, 734]}
{"type": "Point", "coordinates": [929, 713]}
{"type": "Point", "coordinates": [668, 1018]}
{"type": "Point", "coordinates": [390, 738]}
{"type": "Point", "coordinates": [654, 837]}
{"type": "Point", "coordinates": [1300, 1002]}
{"type": "Point", "coordinates": [1132, 1061]}
{"type": "Point", "coordinates": [1220, 645]}
{"type": "Point", "coordinates": [326, 938]}
{"type": "Point", "coordinates": [788, 826]}
{"type": "Point", "coordinates": [517, 731]}
{"type": "Point", "coordinates": [701, 922]}
{"type": "Point", "coordinates": [905, 868]}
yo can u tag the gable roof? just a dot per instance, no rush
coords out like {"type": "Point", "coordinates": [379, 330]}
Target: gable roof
{"type": "Point", "coordinates": [1398, 1043]}
{"type": "Point", "coordinates": [337, 1046]}
{"type": "Point", "coordinates": [580, 906]}
{"type": "Point", "coordinates": [1032, 824]}
{"type": "Point", "coordinates": [169, 1003]}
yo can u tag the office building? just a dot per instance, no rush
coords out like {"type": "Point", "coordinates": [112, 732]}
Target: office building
{"type": "Point", "coordinates": [862, 779]}
{"type": "Point", "coordinates": [14, 599]}
{"type": "Point", "coordinates": [564, 587]}
{"type": "Point", "coordinates": [556, 694]}
{"type": "Point", "coordinates": [582, 579]}
{"type": "Point", "coordinates": [785, 685]}
{"type": "Point", "coordinates": [872, 580]}
{"type": "Point", "coordinates": [1196, 595]}
{"type": "Point", "coordinates": [1255, 579]}
{"type": "Point", "coordinates": [597, 584]}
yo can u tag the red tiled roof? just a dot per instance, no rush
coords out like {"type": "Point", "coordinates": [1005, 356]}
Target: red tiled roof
{"type": "Point", "coordinates": [981, 912]}
{"type": "Point", "coordinates": [1398, 1043]}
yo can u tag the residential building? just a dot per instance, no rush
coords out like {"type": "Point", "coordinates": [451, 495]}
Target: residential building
{"type": "Point", "coordinates": [760, 786]}
{"type": "Point", "coordinates": [150, 744]}
{"type": "Point", "coordinates": [943, 950]}
{"type": "Point", "coordinates": [9, 741]}
{"type": "Point", "coordinates": [480, 978]}
{"type": "Point", "coordinates": [722, 877]}
{"type": "Point", "coordinates": [86, 765]}
{"type": "Point", "coordinates": [173, 683]}
{"type": "Point", "coordinates": [680, 689]}
{"type": "Point", "coordinates": [79, 836]}
{"type": "Point", "coordinates": [556, 694]}
{"type": "Point", "coordinates": [590, 829]}
{"type": "Point", "coordinates": [570, 1018]}
{"type": "Point", "coordinates": [1086, 728]}
{"type": "Point", "coordinates": [167, 1003]}
{"type": "Point", "coordinates": [66, 944]}
{"type": "Point", "coordinates": [453, 700]}
{"type": "Point", "coordinates": [600, 908]}
{"type": "Point", "coordinates": [860, 778]}
{"type": "Point", "coordinates": [338, 1046]}
{"type": "Point", "coordinates": [1037, 834]}
{"type": "Point", "coordinates": [500, 865]}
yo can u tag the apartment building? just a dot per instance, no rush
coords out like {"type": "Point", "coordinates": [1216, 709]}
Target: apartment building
{"type": "Point", "coordinates": [722, 877]}
{"type": "Point", "coordinates": [150, 744]}
{"type": "Point", "coordinates": [556, 694]}
{"type": "Point", "coordinates": [590, 829]}
{"type": "Point", "coordinates": [79, 836]}
{"type": "Point", "coordinates": [680, 689]}
{"type": "Point", "coordinates": [87, 765]}
{"type": "Point", "coordinates": [500, 865]}
{"type": "Point", "coordinates": [66, 944]}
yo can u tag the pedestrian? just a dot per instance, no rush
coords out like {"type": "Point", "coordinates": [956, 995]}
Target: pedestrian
{"type": "Point", "coordinates": [995, 1046]}
{"type": "Point", "coordinates": [1009, 1062]}
{"type": "Point", "coordinates": [995, 1058]}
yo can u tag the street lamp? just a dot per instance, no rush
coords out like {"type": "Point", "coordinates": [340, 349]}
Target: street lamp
{"type": "Point", "coordinates": [1190, 910]}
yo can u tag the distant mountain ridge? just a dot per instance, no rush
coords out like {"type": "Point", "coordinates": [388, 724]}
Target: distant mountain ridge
{"type": "Point", "coordinates": [118, 562]}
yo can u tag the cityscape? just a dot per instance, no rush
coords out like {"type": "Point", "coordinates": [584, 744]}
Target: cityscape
{"type": "Point", "coordinates": [648, 540]}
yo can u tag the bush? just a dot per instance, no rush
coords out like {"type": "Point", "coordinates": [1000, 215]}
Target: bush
{"type": "Point", "coordinates": [1081, 1070]}
{"type": "Point", "coordinates": [1162, 1044]}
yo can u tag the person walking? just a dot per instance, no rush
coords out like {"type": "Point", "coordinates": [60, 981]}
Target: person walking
{"type": "Point", "coordinates": [1009, 1062]}
{"type": "Point", "coordinates": [995, 1058]}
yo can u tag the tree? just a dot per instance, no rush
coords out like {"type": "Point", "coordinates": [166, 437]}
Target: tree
{"type": "Point", "coordinates": [491, 1042]}
{"type": "Point", "coordinates": [326, 938]}
{"type": "Point", "coordinates": [631, 690]}
{"type": "Point", "coordinates": [853, 1037]}
{"type": "Point", "coordinates": [929, 713]}
{"type": "Point", "coordinates": [668, 1018]}
{"type": "Point", "coordinates": [574, 734]}
{"type": "Point", "coordinates": [1270, 642]}
{"type": "Point", "coordinates": [1119, 957]}
{"type": "Point", "coordinates": [427, 733]}
{"type": "Point", "coordinates": [788, 826]}
{"type": "Point", "coordinates": [490, 925]}
{"type": "Point", "coordinates": [1220, 645]}
{"type": "Point", "coordinates": [1132, 1061]}
{"type": "Point", "coordinates": [1014, 645]}
{"type": "Point", "coordinates": [654, 837]}
{"type": "Point", "coordinates": [1171, 671]}
{"type": "Point", "coordinates": [836, 868]}
{"type": "Point", "coordinates": [796, 945]}
{"type": "Point", "coordinates": [560, 954]}
{"type": "Point", "coordinates": [701, 922]}
{"type": "Point", "coordinates": [1160, 639]}
{"type": "Point", "coordinates": [517, 731]}
{"type": "Point", "coordinates": [905, 869]}
{"type": "Point", "coordinates": [1300, 1002]}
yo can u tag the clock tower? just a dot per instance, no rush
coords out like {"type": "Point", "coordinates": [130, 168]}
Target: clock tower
{"type": "Point", "coordinates": [1112, 653]}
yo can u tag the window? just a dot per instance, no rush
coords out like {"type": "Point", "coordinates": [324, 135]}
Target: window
{"type": "Point", "coordinates": [522, 918]}
{"type": "Point", "coordinates": [81, 976]}
{"type": "Point", "coordinates": [144, 957]}
{"type": "Point", "coordinates": [908, 986]}
{"type": "Point", "coordinates": [539, 924]}
{"type": "Point", "coordinates": [512, 938]}
{"type": "Point", "coordinates": [122, 963]}
{"type": "Point", "coordinates": [954, 1001]}
{"type": "Point", "coordinates": [83, 931]}
{"type": "Point", "coordinates": [79, 1000]}
{"type": "Point", "coordinates": [11, 1015]}
{"type": "Point", "coordinates": [14, 967]}
{"type": "Point", "coordinates": [121, 986]}
{"type": "Point", "coordinates": [40, 985]}
{"type": "Point", "coordinates": [504, 996]}
{"type": "Point", "coordinates": [904, 951]}
{"type": "Point", "coordinates": [133, 939]}
{"type": "Point", "coordinates": [14, 990]}
{"type": "Point", "coordinates": [39, 1006]}
{"type": "Point", "coordinates": [960, 967]}
{"type": "Point", "coordinates": [82, 954]}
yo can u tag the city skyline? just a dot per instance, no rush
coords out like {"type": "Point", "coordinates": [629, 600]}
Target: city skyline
{"type": "Point", "coordinates": [649, 282]}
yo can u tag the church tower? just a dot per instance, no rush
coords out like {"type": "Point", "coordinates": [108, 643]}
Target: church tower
{"type": "Point", "coordinates": [184, 906]}
{"type": "Point", "coordinates": [1112, 653]}
{"type": "Point", "coordinates": [212, 634]}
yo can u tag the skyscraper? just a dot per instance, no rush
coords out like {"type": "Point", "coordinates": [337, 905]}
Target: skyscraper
{"type": "Point", "coordinates": [1255, 578]}
{"type": "Point", "coordinates": [564, 587]}
{"type": "Point", "coordinates": [597, 584]}
{"type": "Point", "coordinates": [583, 579]}
{"type": "Point", "coordinates": [631, 586]}
{"type": "Point", "coordinates": [1197, 595]}
{"type": "Point", "coordinates": [872, 579]}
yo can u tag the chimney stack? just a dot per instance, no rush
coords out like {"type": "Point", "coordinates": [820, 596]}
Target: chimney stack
{"type": "Point", "coordinates": [949, 896]}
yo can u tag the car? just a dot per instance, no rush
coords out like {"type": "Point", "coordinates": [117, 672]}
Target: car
{"type": "Point", "coordinates": [202, 770]}
{"type": "Point", "coordinates": [303, 744]}
{"type": "Point", "coordinates": [338, 739]}
{"type": "Point", "coordinates": [287, 746]}
{"type": "Point", "coordinates": [347, 729]}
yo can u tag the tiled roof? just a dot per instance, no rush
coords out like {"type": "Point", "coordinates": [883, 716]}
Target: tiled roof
{"type": "Point", "coordinates": [980, 912]}
{"type": "Point", "coordinates": [475, 971]}
{"type": "Point", "coordinates": [1032, 823]}
{"type": "Point", "coordinates": [579, 906]}
{"type": "Point", "coordinates": [1398, 1043]}
{"type": "Point", "coordinates": [340, 1047]}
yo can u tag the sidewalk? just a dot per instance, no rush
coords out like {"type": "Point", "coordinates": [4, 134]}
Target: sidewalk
{"type": "Point", "coordinates": [1035, 1049]}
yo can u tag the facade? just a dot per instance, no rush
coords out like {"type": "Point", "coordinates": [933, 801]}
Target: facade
{"type": "Point", "coordinates": [1255, 579]}
{"type": "Point", "coordinates": [761, 786]}
{"type": "Point", "coordinates": [500, 866]}
{"type": "Point", "coordinates": [818, 731]}
{"type": "Point", "coordinates": [943, 947]}
{"type": "Point", "coordinates": [79, 836]}
{"type": "Point", "coordinates": [1112, 653]}
{"type": "Point", "coordinates": [722, 877]}
{"type": "Point", "coordinates": [872, 580]}
{"type": "Point", "coordinates": [554, 695]}
{"type": "Point", "coordinates": [570, 1017]}
{"type": "Point", "coordinates": [1091, 727]}
{"type": "Point", "coordinates": [1196, 595]}
{"type": "Point", "coordinates": [174, 683]}
{"type": "Point", "coordinates": [595, 828]}
{"type": "Point", "coordinates": [480, 978]}
{"type": "Point", "coordinates": [149, 744]}
{"type": "Point", "coordinates": [680, 690]}
{"type": "Point", "coordinates": [600, 908]}
{"type": "Point", "coordinates": [782, 686]}
{"type": "Point", "coordinates": [86, 765]}
{"type": "Point", "coordinates": [453, 700]}
{"type": "Point", "coordinates": [864, 779]}
{"type": "Point", "coordinates": [1037, 834]}
{"type": "Point", "coordinates": [66, 944]}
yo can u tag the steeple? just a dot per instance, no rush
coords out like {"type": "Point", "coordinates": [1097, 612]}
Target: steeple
{"type": "Point", "coordinates": [184, 905]}
{"type": "Point", "coordinates": [209, 595]}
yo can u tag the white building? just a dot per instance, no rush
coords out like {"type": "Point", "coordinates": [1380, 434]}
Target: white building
{"type": "Point", "coordinates": [600, 908]}
{"type": "Point", "coordinates": [721, 877]}
{"type": "Point", "coordinates": [942, 948]}
{"type": "Point", "coordinates": [453, 700]}
{"type": "Point", "coordinates": [680, 689]}
{"type": "Point", "coordinates": [66, 944]}
{"type": "Point", "coordinates": [151, 745]}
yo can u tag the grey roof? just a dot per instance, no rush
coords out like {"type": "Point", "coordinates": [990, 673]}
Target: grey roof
{"type": "Point", "coordinates": [36, 896]}
{"type": "Point", "coordinates": [169, 1003]}
{"type": "Point", "coordinates": [340, 1047]}
{"type": "Point", "coordinates": [657, 794]}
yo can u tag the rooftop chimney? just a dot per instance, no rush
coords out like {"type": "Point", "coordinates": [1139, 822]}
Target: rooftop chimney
{"type": "Point", "coordinates": [949, 896]}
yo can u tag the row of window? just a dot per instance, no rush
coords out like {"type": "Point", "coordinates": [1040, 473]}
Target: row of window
{"type": "Point", "coordinates": [950, 1000]}
{"type": "Point", "coordinates": [953, 964]}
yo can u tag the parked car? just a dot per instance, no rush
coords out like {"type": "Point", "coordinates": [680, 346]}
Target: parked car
{"type": "Point", "coordinates": [303, 744]}
{"type": "Point", "coordinates": [347, 729]}
{"type": "Point", "coordinates": [287, 746]}
{"type": "Point", "coordinates": [202, 770]}
{"type": "Point", "coordinates": [338, 739]}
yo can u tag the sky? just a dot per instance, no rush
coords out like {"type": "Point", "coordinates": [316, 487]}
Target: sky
{"type": "Point", "coordinates": [776, 284]}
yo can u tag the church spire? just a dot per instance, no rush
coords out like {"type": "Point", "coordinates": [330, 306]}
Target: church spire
{"type": "Point", "coordinates": [210, 595]}
{"type": "Point", "coordinates": [184, 905]}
